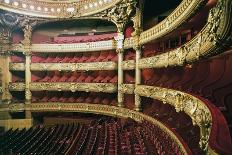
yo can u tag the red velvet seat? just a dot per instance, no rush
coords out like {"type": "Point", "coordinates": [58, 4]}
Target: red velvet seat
{"type": "Point", "coordinates": [74, 77]}
{"type": "Point", "coordinates": [76, 58]}
{"type": "Point", "coordinates": [103, 55]}
{"type": "Point", "coordinates": [17, 59]}
{"type": "Point", "coordinates": [93, 57]}
{"type": "Point", "coordinates": [84, 57]}
{"type": "Point", "coordinates": [129, 78]}
{"type": "Point", "coordinates": [56, 77]}
{"type": "Point", "coordinates": [65, 77]}
{"type": "Point", "coordinates": [68, 58]}
{"type": "Point", "coordinates": [114, 79]}
{"type": "Point", "coordinates": [130, 55]}
{"type": "Point", "coordinates": [217, 68]}
{"type": "Point", "coordinates": [81, 78]}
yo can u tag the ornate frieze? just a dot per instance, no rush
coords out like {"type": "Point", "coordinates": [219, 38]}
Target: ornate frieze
{"type": "Point", "coordinates": [74, 66]}
{"type": "Point", "coordinates": [127, 88]}
{"type": "Point", "coordinates": [128, 43]}
{"type": "Point", "coordinates": [17, 86]}
{"type": "Point", "coordinates": [87, 87]}
{"type": "Point", "coordinates": [211, 40]}
{"type": "Point", "coordinates": [180, 15]}
{"type": "Point", "coordinates": [128, 65]}
{"type": "Point", "coordinates": [57, 9]}
{"type": "Point", "coordinates": [192, 106]}
{"type": "Point", "coordinates": [17, 66]}
{"type": "Point", "coordinates": [75, 47]}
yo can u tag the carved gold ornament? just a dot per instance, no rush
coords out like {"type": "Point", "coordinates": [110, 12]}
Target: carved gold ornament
{"type": "Point", "coordinates": [195, 108]}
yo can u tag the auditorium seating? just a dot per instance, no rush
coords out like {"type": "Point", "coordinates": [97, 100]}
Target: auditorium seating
{"type": "Point", "coordinates": [74, 97]}
{"type": "Point", "coordinates": [178, 122]}
{"type": "Point", "coordinates": [104, 136]}
{"type": "Point", "coordinates": [209, 78]}
{"type": "Point", "coordinates": [84, 38]}
{"type": "Point", "coordinates": [78, 77]}
{"type": "Point", "coordinates": [86, 57]}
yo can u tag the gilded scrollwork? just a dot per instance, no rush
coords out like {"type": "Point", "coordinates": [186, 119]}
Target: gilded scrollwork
{"type": "Point", "coordinates": [16, 107]}
{"type": "Point", "coordinates": [17, 86]}
{"type": "Point", "coordinates": [127, 88]}
{"type": "Point", "coordinates": [74, 66]}
{"type": "Point", "coordinates": [119, 14]}
{"type": "Point", "coordinates": [192, 106]}
{"type": "Point", "coordinates": [75, 47]}
{"type": "Point", "coordinates": [88, 87]}
{"type": "Point", "coordinates": [17, 66]}
{"type": "Point", "coordinates": [128, 65]}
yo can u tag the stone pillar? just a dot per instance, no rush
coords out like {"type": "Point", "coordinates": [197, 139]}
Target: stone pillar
{"type": "Point", "coordinates": [137, 78]}
{"type": "Point", "coordinates": [5, 47]}
{"type": "Point", "coordinates": [27, 52]}
{"type": "Point", "coordinates": [119, 39]}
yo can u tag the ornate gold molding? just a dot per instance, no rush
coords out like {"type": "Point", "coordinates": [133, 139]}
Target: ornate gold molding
{"type": "Point", "coordinates": [128, 43]}
{"type": "Point", "coordinates": [87, 87]}
{"type": "Point", "coordinates": [192, 106]}
{"type": "Point", "coordinates": [119, 14]}
{"type": "Point", "coordinates": [98, 109]}
{"type": "Point", "coordinates": [17, 86]}
{"type": "Point", "coordinates": [127, 88]}
{"type": "Point", "coordinates": [211, 40]}
{"type": "Point", "coordinates": [74, 66]}
{"type": "Point", "coordinates": [54, 9]}
{"type": "Point", "coordinates": [17, 66]}
{"type": "Point", "coordinates": [128, 65]}
{"type": "Point", "coordinates": [181, 14]}
{"type": "Point", "coordinates": [75, 47]}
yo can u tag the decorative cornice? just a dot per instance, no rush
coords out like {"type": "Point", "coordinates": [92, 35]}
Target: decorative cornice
{"type": "Point", "coordinates": [87, 87]}
{"type": "Point", "coordinates": [128, 65]}
{"type": "Point", "coordinates": [127, 88]}
{"type": "Point", "coordinates": [53, 9]}
{"type": "Point", "coordinates": [17, 86]}
{"type": "Point", "coordinates": [192, 106]}
{"type": "Point", "coordinates": [98, 109]}
{"type": "Point", "coordinates": [74, 66]}
{"type": "Point", "coordinates": [180, 15]}
{"type": "Point", "coordinates": [211, 40]}
{"type": "Point", "coordinates": [17, 66]}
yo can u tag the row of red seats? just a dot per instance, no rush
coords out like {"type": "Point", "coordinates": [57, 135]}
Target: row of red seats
{"type": "Point", "coordinates": [77, 97]}
{"type": "Point", "coordinates": [104, 136]}
{"type": "Point", "coordinates": [209, 78]}
{"type": "Point", "coordinates": [39, 140]}
{"type": "Point", "coordinates": [17, 58]}
{"type": "Point", "coordinates": [80, 77]}
{"type": "Point", "coordinates": [82, 39]}
{"type": "Point", "coordinates": [18, 76]}
{"type": "Point", "coordinates": [179, 122]}
{"type": "Point", "coordinates": [102, 56]}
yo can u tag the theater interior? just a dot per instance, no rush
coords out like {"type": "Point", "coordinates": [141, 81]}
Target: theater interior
{"type": "Point", "coordinates": [116, 77]}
